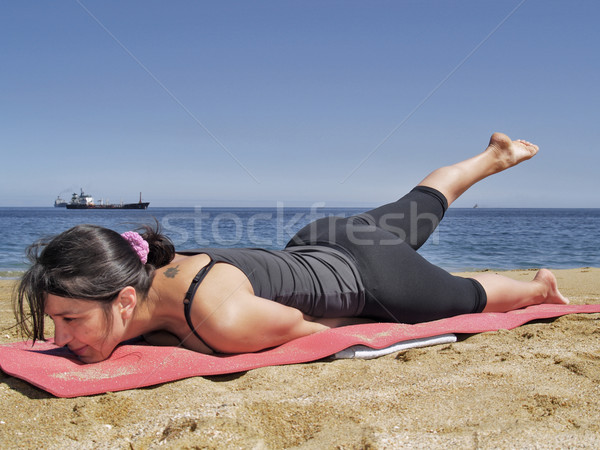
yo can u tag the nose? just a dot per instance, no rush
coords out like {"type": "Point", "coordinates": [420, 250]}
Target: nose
{"type": "Point", "coordinates": [61, 334]}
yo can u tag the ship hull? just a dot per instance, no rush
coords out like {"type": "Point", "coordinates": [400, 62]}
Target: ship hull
{"type": "Point", "coordinates": [141, 205]}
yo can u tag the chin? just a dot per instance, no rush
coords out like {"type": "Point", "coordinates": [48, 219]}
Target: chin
{"type": "Point", "coordinates": [88, 359]}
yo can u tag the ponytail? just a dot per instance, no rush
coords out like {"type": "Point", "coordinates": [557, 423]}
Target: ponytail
{"type": "Point", "coordinates": [162, 250]}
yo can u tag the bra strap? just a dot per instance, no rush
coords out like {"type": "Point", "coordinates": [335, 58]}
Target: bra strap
{"type": "Point", "coordinates": [189, 297]}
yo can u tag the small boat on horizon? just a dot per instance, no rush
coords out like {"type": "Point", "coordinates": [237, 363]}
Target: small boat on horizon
{"type": "Point", "coordinates": [60, 203]}
{"type": "Point", "coordinates": [86, 201]}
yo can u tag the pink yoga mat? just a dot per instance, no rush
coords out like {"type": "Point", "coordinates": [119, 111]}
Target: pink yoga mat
{"type": "Point", "coordinates": [58, 371]}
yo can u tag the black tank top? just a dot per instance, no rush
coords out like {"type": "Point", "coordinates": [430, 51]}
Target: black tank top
{"type": "Point", "coordinates": [319, 281]}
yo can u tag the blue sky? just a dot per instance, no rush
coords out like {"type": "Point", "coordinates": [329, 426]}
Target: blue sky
{"type": "Point", "coordinates": [251, 103]}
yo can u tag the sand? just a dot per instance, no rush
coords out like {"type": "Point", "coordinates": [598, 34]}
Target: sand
{"type": "Point", "coordinates": [536, 386]}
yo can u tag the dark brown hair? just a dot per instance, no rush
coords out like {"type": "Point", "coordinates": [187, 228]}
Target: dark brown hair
{"type": "Point", "coordinates": [86, 262]}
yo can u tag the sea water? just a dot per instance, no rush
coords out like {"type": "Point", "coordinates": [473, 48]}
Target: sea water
{"type": "Point", "coordinates": [467, 239]}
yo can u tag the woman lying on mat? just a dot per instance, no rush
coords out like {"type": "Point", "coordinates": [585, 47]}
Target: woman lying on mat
{"type": "Point", "coordinates": [101, 288]}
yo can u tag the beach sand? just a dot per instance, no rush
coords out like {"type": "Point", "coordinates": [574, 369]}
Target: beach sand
{"type": "Point", "coordinates": [536, 386]}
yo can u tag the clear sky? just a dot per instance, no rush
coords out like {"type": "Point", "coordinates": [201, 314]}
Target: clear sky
{"type": "Point", "coordinates": [241, 103]}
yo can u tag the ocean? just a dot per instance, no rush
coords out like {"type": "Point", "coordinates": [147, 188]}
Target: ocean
{"type": "Point", "coordinates": [467, 239]}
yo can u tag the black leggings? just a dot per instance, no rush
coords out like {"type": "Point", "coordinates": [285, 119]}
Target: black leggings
{"type": "Point", "coordinates": [401, 286]}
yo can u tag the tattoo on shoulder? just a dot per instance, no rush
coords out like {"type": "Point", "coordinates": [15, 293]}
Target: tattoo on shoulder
{"type": "Point", "coordinates": [172, 271]}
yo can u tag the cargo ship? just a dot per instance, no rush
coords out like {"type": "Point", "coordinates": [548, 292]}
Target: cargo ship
{"type": "Point", "coordinates": [85, 201]}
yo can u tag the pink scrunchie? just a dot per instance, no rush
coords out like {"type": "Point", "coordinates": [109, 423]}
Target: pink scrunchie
{"type": "Point", "coordinates": [138, 243]}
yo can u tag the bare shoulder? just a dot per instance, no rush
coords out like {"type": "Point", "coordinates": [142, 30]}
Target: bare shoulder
{"type": "Point", "coordinates": [219, 300]}
{"type": "Point", "coordinates": [221, 290]}
{"type": "Point", "coordinates": [216, 302]}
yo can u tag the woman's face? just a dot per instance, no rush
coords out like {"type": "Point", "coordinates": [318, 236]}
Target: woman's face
{"type": "Point", "coordinates": [81, 326]}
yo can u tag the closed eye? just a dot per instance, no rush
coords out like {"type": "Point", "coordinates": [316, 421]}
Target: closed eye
{"type": "Point", "coordinates": [66, 319]}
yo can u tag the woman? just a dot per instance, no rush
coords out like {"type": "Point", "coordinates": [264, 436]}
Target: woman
{"type": "Point", "coordinates": [101, 288]}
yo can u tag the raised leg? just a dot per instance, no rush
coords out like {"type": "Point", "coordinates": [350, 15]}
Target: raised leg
{"type": "Point", "coordinates": [501, 153]}
{"type": "Point", "coordinates": [505, 294]}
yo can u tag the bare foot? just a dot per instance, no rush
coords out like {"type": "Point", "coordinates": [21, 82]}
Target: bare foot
{"type": "Point", "coordinates": [509, 153]}
{"type": "Point", "coordinates": [552, 295]}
